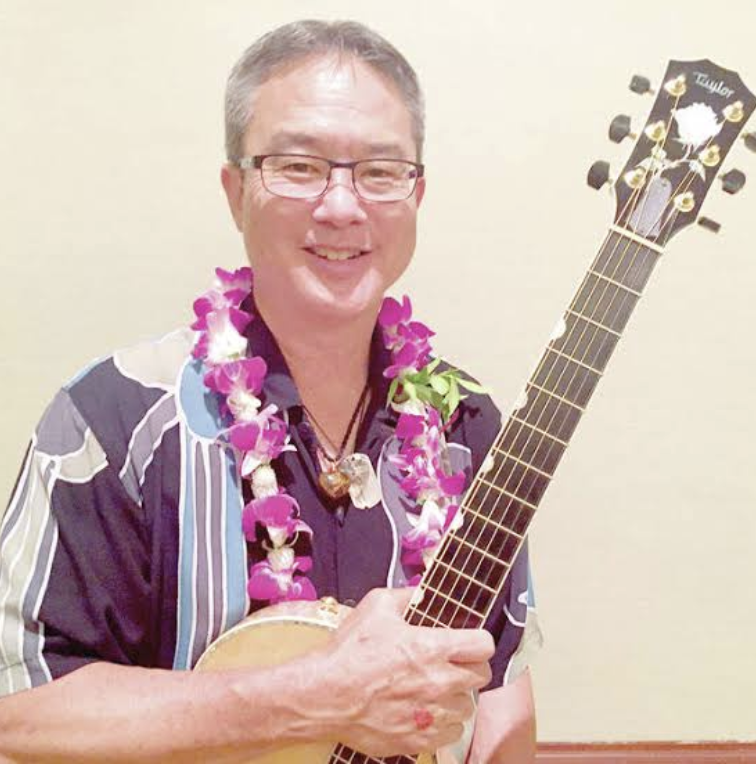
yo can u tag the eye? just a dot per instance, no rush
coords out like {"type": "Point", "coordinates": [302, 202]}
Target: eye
{"type": "Point", "coordinates": [385, 172]}
{"type": "Point", "coordinates": [299, 168]}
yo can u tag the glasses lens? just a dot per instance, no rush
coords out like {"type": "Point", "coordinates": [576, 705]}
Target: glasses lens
{"type": "Point", "coordinates": [295, 175]}
{"type": "Point", "coordinates": [385, 180]}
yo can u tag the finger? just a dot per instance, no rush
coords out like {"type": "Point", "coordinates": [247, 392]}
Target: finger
{"type": "Point", "coordinates": [395, 600]}
{"type": "Point", "coordinates": [461, 707]}
{"type": "Point", "coordinates": [473, 676]}
{"type": "Point", "coordinates": [467, 645]}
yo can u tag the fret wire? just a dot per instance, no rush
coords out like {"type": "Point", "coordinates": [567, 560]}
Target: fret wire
{"type": "Point", "coordinates": [431, 576]}
{"type": "Point", "coordinates": [523, 463]}
{"type": "Point", "coordinates": [544, 432]}
{"type": "Point", "coordinates": [518, 435]}
{"type": "Point", "coordinates": [498, 581]}
{"type": "Point", "coordinates": [630, 235]}
{"type": "Point", "coordinates": [590, 320]}
{"type": "Point", "coordinates": [483, 552]}
{"type": "Point", "coordinates": [575, 360]}
{"type": "Point", "coordinates": [467, 576]}
{"type": "Point", "coordinates": [450, 599]}
{"type": "Point", "coordinates": [435, 620]}
{"type": "Point", "coordinates": [485, 564]}
{"type": "Point", "coordinates": [535, 431]}
{"type": "Point", "coordinates": [636, 270]}
{"type": "Point", "coordinates": [615, 283]}
{"type": "Point", "coordinates": [555, 396]}
{"type": "Point", "coordinates": [595, 324]}
{"type": "Point", "coordinates": [508, 493]}
{"type": "Point", "coordinates": [541, 431]}
{"type": "Point", "coordinates": [488, 520]}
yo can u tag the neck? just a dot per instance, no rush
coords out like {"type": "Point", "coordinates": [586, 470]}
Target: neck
{"type": "Point", "coordinates": [327, 357]}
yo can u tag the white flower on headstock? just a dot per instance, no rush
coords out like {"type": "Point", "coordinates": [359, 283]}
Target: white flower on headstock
{"type": "Point", "coordinates": [697, 124]}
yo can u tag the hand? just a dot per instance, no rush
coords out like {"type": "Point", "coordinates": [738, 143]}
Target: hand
{"type": "Point", "coordinates": [399, 689]}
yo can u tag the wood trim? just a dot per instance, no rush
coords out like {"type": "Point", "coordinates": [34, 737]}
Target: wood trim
{"type": "Point", "coordinates": [647, 752]}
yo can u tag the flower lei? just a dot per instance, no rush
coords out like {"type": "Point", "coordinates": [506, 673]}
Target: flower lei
{"type": "Point", "coordinates": [426, 399]}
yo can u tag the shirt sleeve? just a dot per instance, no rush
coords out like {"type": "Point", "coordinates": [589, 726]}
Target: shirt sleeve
{"type": "Point", "coordinates": [74, 569]}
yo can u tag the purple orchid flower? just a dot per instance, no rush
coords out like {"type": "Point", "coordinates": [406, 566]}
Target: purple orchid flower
{"type": "Point", "coordinates": [247, 375]}
{"type": "Point", "coordinates": [275, 582]}
{"type": "Point", "coordinates": [265, 436]}
{"type": "Point", "coordinates": [223, 338]}
{"type": "Point", "coordinates": [278, 514]}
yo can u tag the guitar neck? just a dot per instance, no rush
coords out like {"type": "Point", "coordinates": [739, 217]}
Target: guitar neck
{"type": "Point", "coordinates": [475, 557]}
{"type": "Point", "coordinates": [473, 560]}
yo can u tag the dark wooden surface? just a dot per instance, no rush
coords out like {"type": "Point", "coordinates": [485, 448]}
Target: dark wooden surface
{"type": "Point", "coordinates": [647, 752]}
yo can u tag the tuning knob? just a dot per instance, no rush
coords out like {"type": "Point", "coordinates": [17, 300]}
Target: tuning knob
{"type": "Point", "coordinates": [710, 224]}
{"type": "Point", "coordinates": [640, 85]}
{"type": "Point", "coordinates": [750, 140]}
{"type": "Point", "coordinates": [733, 181]}
{"type": "Point", "coordinates": [619, 129]}
{"type": "Point", "coordinates": [598, 174]}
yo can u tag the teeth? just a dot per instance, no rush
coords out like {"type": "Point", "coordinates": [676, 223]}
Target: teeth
{"type": "Point", "coordinates": [334, 255]}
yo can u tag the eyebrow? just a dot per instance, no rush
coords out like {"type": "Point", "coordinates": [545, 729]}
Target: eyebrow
{"type": "Point", "coordinates": [285, 140]}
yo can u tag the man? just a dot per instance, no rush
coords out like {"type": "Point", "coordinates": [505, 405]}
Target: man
{"type": "Point", "coordinates": [122, 554]}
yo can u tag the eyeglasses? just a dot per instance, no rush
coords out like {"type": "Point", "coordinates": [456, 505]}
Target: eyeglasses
{"type": "Point", "coordinates": [379, 180]}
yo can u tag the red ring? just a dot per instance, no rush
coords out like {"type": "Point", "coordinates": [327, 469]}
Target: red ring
{"type": "Point", "coordinates": [423, 719]}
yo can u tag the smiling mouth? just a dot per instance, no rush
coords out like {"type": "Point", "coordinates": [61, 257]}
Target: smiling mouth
{"type": "Point", "coordinates": [336, 254]}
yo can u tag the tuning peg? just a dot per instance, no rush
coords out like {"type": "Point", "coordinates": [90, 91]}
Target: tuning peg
{"type": "Point", "coordinates": [733, 181]}
{"type": "Point", "coordinates": [710, 224]}
{"type": "Point", "coordinates": [641, 85]}
{"type": "Point", "coordinates": [619, 129]}
{"type": "Point", "coordinates": [750, 140]}
{"type": "Point", "coordinates": [598, 174]}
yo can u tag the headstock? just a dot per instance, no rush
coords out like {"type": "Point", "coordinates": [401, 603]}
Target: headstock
{"type": "Point", "coordinates": [699, 112]}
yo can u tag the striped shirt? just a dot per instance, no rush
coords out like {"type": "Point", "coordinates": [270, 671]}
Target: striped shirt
{"type": "Point", "coordinates": [122, 541]}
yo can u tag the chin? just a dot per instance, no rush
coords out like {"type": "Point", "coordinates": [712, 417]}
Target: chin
{"type": "Point", "coordinates": [343, 302]}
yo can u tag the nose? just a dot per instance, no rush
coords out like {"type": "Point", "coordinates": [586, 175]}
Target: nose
{"type": "Point", "coordinates": [339, 204]}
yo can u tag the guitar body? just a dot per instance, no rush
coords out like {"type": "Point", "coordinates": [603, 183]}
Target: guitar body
{"type": "Point", "coordinates": [274, 635]}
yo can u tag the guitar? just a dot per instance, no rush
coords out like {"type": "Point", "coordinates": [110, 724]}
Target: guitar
{"type": "Point", "coordinates": [697, 116]}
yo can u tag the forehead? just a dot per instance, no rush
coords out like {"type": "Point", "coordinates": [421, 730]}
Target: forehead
{"type": "Point", "coordinates": [330, 104]}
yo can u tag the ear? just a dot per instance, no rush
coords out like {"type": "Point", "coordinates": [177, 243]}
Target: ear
{"type": "Point", "coordinates": [233, 185]}
{"type": "Point", "coordinates": [420, 191]}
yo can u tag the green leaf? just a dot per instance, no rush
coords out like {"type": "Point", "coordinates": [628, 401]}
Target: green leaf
{"type": "Point", "coordinates": [472, 386]}
{"type": "Point", "coordinates": [410, 390]}
{"type": "Point", "coordinates": [440, 384]}
{"type": "Point", "coordinates": [452, 399]}
{"type": "Point", "coordinates": [424, 392]}
{"type": "Point", "coordinates": [432, 365]}
{"type": "Point", "coordinates": [392, 391]}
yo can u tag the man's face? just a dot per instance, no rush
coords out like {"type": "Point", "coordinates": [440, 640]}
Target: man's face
{"type": "Point", "coordinates": [341, 110]}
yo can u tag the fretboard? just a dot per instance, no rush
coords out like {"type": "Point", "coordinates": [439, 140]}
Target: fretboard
{"type": "Point", "coordinates": [475, 557]}
{"type": "Point", "coordinates": [473, 561]}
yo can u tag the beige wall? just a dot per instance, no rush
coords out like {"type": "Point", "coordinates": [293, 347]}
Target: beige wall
{"type": "Point", "coordinates": [111, 219]}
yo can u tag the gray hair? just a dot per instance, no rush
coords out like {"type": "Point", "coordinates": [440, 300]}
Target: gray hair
{"type": "Point", "coordinates": [300, 40]}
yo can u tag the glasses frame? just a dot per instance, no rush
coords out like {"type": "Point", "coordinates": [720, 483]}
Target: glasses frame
{"type": "Point", "coordinates": [256, 161]}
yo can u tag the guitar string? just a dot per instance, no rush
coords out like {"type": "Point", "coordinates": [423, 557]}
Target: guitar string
{"type": "Point", "coordinates": [594, 328]}
{"type": "Point", "coordinates": [550, 387]}
{"type": "Point", "coordinates": [465, 566]}
{"type": "Point", "coordinates": [564, 344]}
{"type": "Point", "coordinates": [588, 347]}
{"type": "Point", "coordinates": [517, 491]}
{"type": "Point", "coordinates": [489, 486]}
{"type": "Point", "coordinates": [671, 218]}
{"type": "Point", "coordinates": [595, 332]}
{"type": "Point", "coordinates": [685, 183]}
